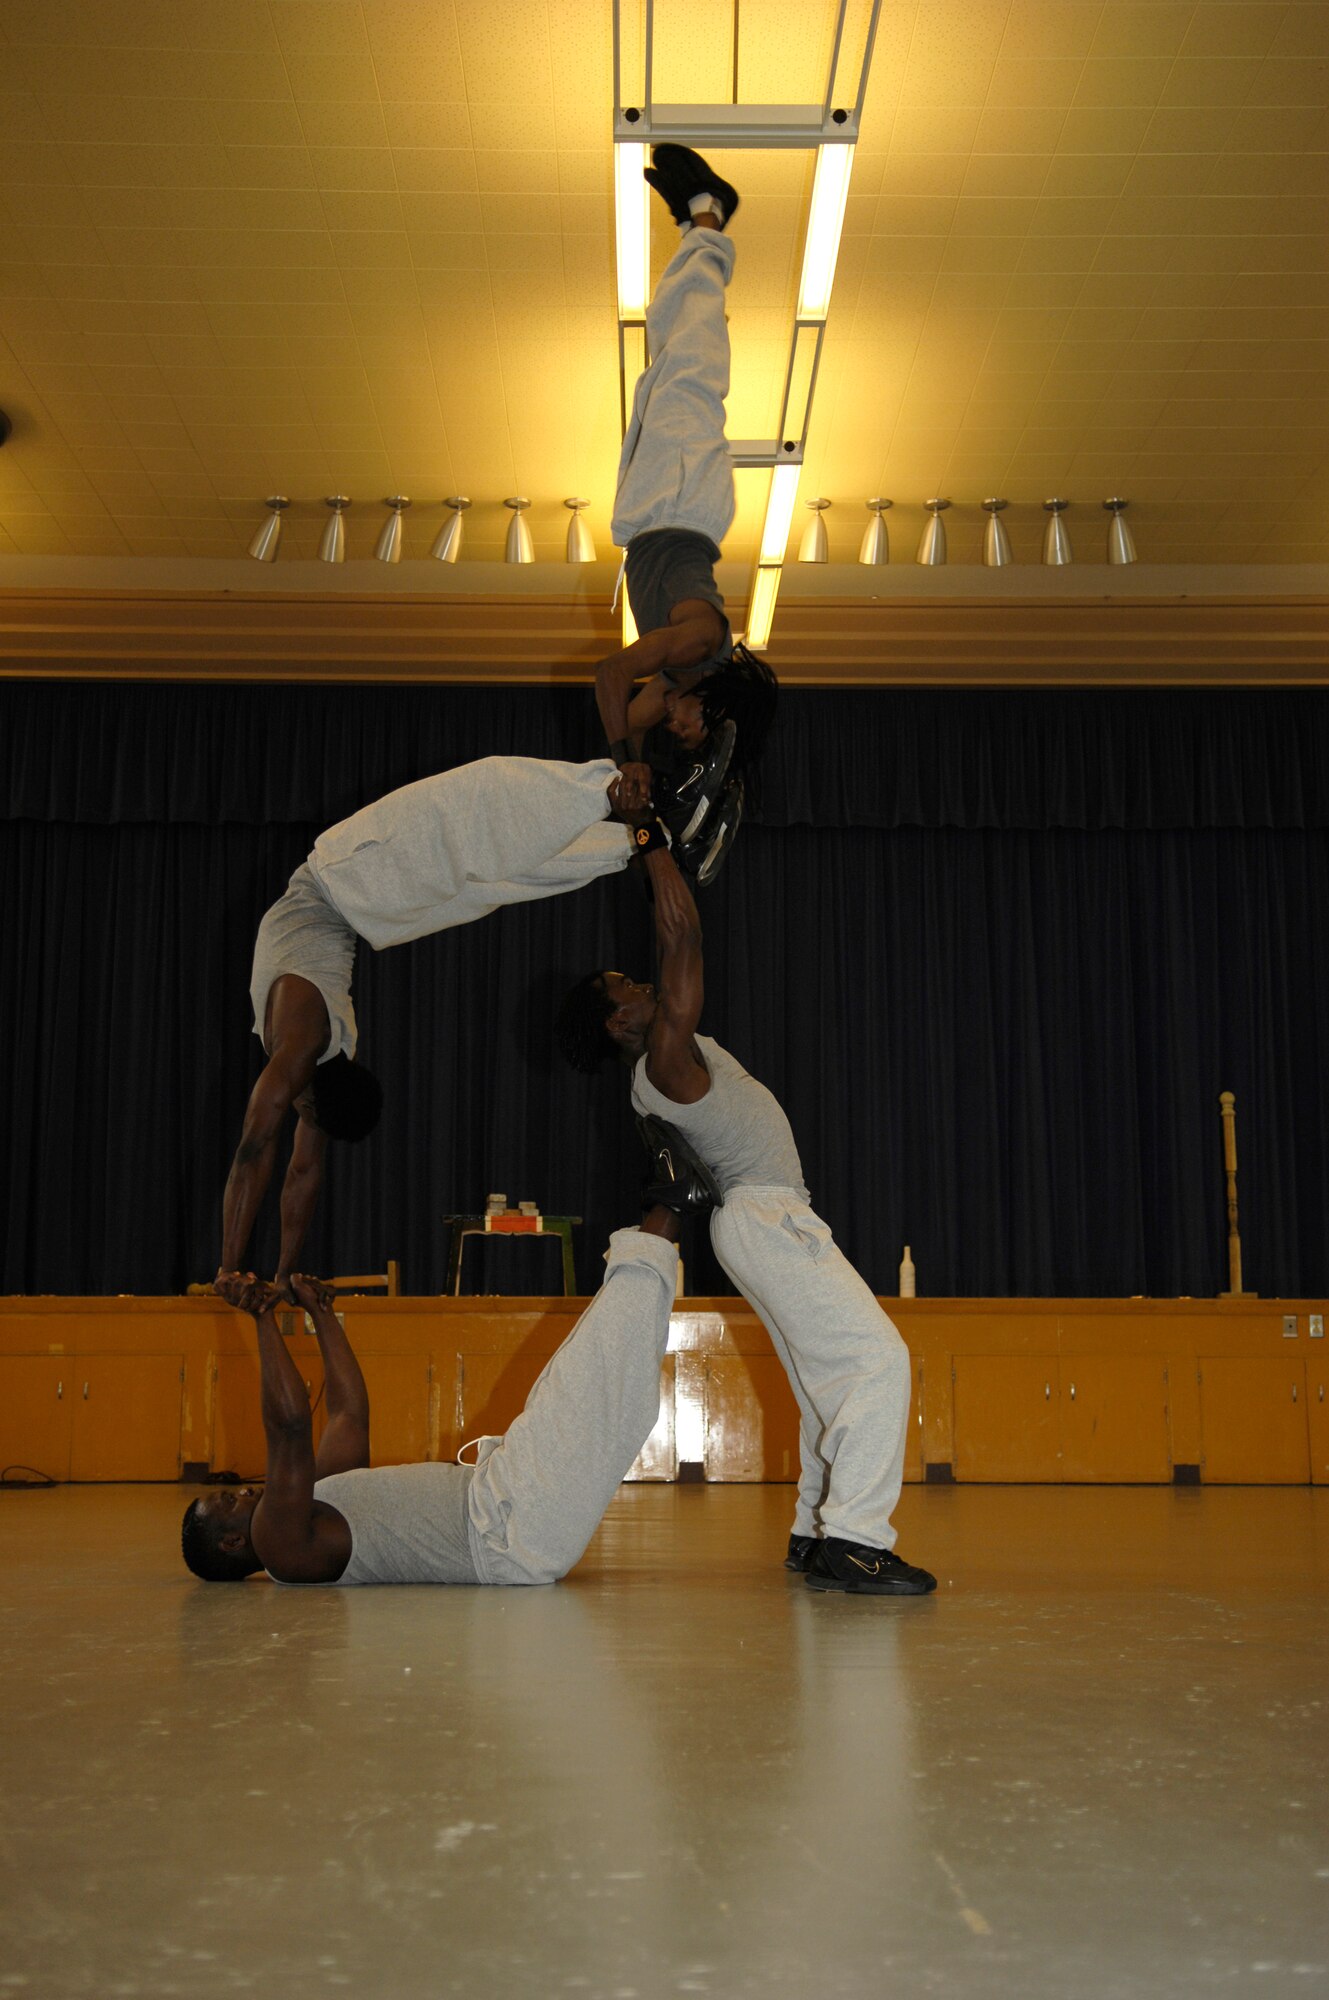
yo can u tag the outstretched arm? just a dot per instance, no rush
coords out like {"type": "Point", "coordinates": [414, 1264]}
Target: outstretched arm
{"type": "Point", "coordinates": [299, 1195]}
{"type": "Point", "coordinates": [344, 1445]}
{"type": "Point", "coordinates": [695, 631]}
{"type": "Point", "coordinates": [283, 1078]}
{"type": "Point", "coordinates": [672, 1062]}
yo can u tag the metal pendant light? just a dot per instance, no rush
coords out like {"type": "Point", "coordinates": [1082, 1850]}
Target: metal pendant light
{"type": "Point", "coordinates": [814, 547]}
{"type": "Point", "coordinates": [263, 548]}
{"type": "Point", "coordinates": [1121, 542]}
{"type": "Point", "coordinates": [447, 542]}
{"type": "Point", "coordinates": [1056, 541]}
{"type": "Point", "coordinates": [876, 546]}
{"type": "Point", "coordinates": [388, 547]}
{"type": "Point", "coordinates": [519, 547]}
{"type": "Point", "coordinates": [581, 543]}
{"type": "Point", "coordinates": [332, 547]}
{"type": "Point", "coordinates": [996, 542]}
{"type": "Point", "coordinates": [932, 547]}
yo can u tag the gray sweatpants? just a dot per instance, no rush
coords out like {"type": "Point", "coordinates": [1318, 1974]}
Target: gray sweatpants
{"type": "Point", "coordinates": [539, 1493]}
{"type": "Point", "coordinates": [846, 1362]}
{"type": "Point", "coordinates": [675, 470]}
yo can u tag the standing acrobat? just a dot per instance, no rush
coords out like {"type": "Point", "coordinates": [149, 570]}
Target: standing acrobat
{"type": "Point", "coordinates": [846, 1363]}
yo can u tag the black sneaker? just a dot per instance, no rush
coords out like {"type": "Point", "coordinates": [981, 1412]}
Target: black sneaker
{"type": "Point", "coordinates": [679, 1178]}
{"type": "Point", "coordinates": [866, 1572]}
{"type": "Point", "coordinates": [677, 173]}
{"type": "Point", "coordinates": [704, 857]}
{"type": "Point", "coordinates": [801, 1551]}
{"type": "Point", "coordinates": [683, 803]}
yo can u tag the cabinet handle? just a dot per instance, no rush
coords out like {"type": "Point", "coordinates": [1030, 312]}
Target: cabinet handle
{"type": "Point", "coordinates": [1072, 1392]}
{"type": "Point", "coordinates": [59, 1392]}
{"type": "Point", "coordinates": [1322, 1392]}
{"type": "Point", "coordinates": [85, 1392]}
{"type": "Point", "coordinates": [1047, 1392]}
{"type": "Point", "coordinates": [1294, 1392]}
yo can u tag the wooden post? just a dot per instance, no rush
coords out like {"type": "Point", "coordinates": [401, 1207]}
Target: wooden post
{"type": "Point", "coordinates": [1229, 1115]}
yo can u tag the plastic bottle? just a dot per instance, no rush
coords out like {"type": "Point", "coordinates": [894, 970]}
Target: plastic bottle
{"type": "Point", "coordinates": [908, 1276]}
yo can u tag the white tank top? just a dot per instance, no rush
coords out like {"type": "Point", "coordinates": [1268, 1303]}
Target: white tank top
{"type": "Point", "coordinates": [739, 1127]}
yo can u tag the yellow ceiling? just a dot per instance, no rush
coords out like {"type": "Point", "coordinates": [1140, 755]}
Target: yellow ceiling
{"type": "Point", "coordinates": [309, 246]}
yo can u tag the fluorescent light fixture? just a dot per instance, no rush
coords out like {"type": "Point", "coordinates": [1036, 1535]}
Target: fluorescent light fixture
{"type": "Point", "coordinates": [761, 611]}
{"type": "Point", "coordinates": [263, 548]}
{"type": "Point", "coordinates": [779, 513]}
{"type": "Point", "coordinates": [447, 542]}
{"type": "Point", "coordinates": [632, 197]}
{"type": "Point", "coordinates": [830, 190]}
{"type": "Point", "coordinates": [388, 548]}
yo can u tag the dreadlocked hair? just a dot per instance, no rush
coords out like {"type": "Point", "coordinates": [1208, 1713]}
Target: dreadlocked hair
{"type": "Point", "coordinates": [579, 1028]}
{"type": "Point", "coordinates": [742, 691]}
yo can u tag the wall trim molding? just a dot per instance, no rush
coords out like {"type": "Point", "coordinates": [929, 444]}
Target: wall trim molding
{"type": "Point", "coordinates": [955, 641]}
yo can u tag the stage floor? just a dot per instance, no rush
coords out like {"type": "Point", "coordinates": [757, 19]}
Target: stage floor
{"type": "Point", "coordinates": [1094, 1764]}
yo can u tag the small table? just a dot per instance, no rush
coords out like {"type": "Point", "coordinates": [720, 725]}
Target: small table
{"type": "Point", "coordinates": [462, 1226]}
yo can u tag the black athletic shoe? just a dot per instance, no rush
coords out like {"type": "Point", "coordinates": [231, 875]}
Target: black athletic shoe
{"type": "Point", "coordinates": [678, 1177]}
{"type": "Point", "coordinates": [683, 803]}
{"type": "Point", "coordinates": [866, 1572]}
{"type": "Point", "coordinates": [677, 173]}
{"type": "Point", "coordinates": [703, 857]}
{"type": "Point", "coordinates": [801, 1551]}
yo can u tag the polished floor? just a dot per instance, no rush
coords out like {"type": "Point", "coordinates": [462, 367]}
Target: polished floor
{"type": "Point", "coordinates": [1096, 1763]}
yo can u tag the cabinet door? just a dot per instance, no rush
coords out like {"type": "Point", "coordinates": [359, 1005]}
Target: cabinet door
{"type": "Point", "coordinates": [492, 1390]}
{"type": "Point", "coordinates": [1253, 1422]}
{"type": "Point", "coordinates": [127, 1416]}
{"type": "Point", "coordinates": [36, 1408]}
{"type": "Point", "coordinates": [398, 1386]}
{"type": "Point", "coordinates": [1006, 1426]}
{"type": "Point", "coordinates": [1317, 1413]}
{"type": "Point", "coordinates": [658, 1457]}
{"type": "Point", "coordinates": [751, 1419]}
{"type": "Point", "coordinates": [1114, 1418]}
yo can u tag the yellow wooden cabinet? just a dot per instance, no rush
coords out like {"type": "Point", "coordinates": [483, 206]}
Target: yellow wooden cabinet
{"type": "Point", "coordinates": [1317, 1412]}
{"type": "Point", "coordinates": [1007, 1427]}
{"type": "Point", "coordinates": [92, 1417]}
{"type": "Point", "coordinates": [1253, 1420]}
{"type": "Point", "coordinates": [1042, 1418]}
{"type": "Point", "coordinates": [36, 1398]}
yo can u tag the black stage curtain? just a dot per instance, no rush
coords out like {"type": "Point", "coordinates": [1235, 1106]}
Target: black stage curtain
{"type": "Point", "coordinates": [997, 953]}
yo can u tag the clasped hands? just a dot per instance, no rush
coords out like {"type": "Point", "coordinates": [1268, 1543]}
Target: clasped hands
{"type": "Point", "coordinates": [260, 1295]}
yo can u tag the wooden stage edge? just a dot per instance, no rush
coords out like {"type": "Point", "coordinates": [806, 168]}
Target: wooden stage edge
{"type": "Point", "coordinates": [1188, 1391]}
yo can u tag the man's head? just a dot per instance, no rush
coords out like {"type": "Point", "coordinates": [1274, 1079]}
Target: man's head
{"type": "Point", "coordinates": [742, 691]}
{"type": "Point", "coordinates": [214, 1535]}
{"type": "Point", "coordinates": [603, 1016]}
{"type": "Point", "coordinates": [347, 1100]}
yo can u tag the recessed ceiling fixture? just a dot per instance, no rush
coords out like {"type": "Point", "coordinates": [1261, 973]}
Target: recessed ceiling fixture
{"type": "Point", "coordinates": [814, 547]}
{"type": "Point", "coordinates": [996, 542]}
{"type": "Point", "coordinates": [1056, 541]}
{"type": "Point", "coordinates": [332, 547]}
{"type": "Point", "coordinates": [932, 547]}
{"type": "Point", "coordinates": [519, 547]}
{"type": "Point", "coordinates": [581, 543]}
{"type": "Point", "coordinates": [447, 542]}
{"type": "Point", "coordinates": [388, 547]}
{"type": "Point", "coordinates": [263, 548]}
{"type": "Point", "coordinates": [1121, 542]}
{"type": "Point", "coordinates": [876, 546]}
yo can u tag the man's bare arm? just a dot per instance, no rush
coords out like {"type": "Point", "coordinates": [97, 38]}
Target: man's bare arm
{"type": "Point", "coordinates": [299, 1195]}
{"type": "Point", "coordinates": [283, 1078]}
{"type": "Point", "coordinates": [344, 1445]}
{"type": "Point", "coordinates": [672, 1064]}
{"type": "Point", "coordinates": [695, 631]}
{"type": "Point", "coordinates": [292, 1535]}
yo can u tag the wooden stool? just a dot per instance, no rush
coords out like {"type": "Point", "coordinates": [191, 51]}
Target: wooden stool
{"type": "Point", "coordinates": [462, 1226]}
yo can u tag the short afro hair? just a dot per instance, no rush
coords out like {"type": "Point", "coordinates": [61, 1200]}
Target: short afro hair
{"type": "Point", "coordinates": [348, 1100]}
{"type": "Point", "coordinates": [200, 1540]}
{"type": "Point", "coordinates": [742, 691]}
{"type": "Point", "coordinates": [580, 1029]}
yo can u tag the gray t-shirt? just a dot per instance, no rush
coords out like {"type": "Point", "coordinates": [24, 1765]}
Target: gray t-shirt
{"type": "Point", "coordinates": [407, 1522]}
{"type": "Point", "coordinates": [739, 1127]}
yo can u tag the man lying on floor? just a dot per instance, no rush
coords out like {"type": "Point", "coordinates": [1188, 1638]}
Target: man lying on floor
{"type": "Point", "coordinates": [522, 1514]}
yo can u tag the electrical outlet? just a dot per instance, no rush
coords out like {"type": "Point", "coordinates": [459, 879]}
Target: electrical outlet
{"type": "Point", "coordinates": [1317, 1326]}
{"type": "Point", "coordinates": [1289, 1326]}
